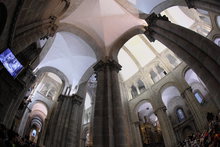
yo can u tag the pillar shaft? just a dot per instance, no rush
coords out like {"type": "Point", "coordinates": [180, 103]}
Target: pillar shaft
{"type": "Point", "coordinates": [64, 123]}
{"type": "Point", "coordinates": [208, 5]}
{"type": "Point", "coordinates": [194, 108]}
{"type": "Point", "coordinates": [166, 127]}
{"type": "Point", "coordinates": [184, 44]}
{"type": "Point", "coordinates": [110, 123]}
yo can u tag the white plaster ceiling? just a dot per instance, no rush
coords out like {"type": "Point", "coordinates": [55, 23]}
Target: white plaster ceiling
{"type": "Point", "coordinates": [105, 20]}
{"type": "Point", "coordinates": [169, 93]}
{"type": "Point", "coordinates": [71, 55]}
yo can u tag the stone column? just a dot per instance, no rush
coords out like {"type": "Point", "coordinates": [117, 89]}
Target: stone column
{"type": "Point", "coordinates": [166, 127]}
{"type": "Point", "coordinates": [208, 5]}
{"type": "Point", "coordinates": [64, 123]}
{"type": "Point", "coordinates": [110, 123]}
{"type": "Point", "coordinates": [193, 106]}
{"type": "Point", "coordinates": [197, 51]}
{"type": "Point", "coordinates": [22, 83]}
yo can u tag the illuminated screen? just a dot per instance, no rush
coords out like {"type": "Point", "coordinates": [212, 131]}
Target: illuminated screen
{"type": "Point", "coordinates": [9, 61]}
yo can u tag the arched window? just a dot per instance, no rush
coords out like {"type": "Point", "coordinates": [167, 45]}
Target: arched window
{"type": "Point", "coordinates": [218, 21]}
{"type": "Point", "coordinates": [141, 86]}
{"type": "Point", "coordinates": [153, 76]}
{"type": "Point", "coordinates": [161, 71]}
{"type": "Point", "coordinates": [3, 17]}
{"type": "Point", "coordinates": [173, 61]}
{"type": "Point", "coordinates": [217, 41]}
{"type": "Point", "coordinates": [198, 97]}
{"type": "Point", "coordinates": [180, 114]}
{"type": "Point", "coordinates": [134, 92]}
{"type": "Point", "coordinates": [34, 133]}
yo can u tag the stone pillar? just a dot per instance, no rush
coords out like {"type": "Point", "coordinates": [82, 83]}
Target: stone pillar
{"type": "Point", "coordinates": [208, 5]}
{"type": "Point", "coordinates": [63, 126]}
{"type": "Point", "coordinates": [197, 51]}
{"type": "Point", "coordinates": [193, 106]}
{"type": "Point", "coordinates": [166, 127]}
{"type": "Point", "coordinates": [15, 93]}
{"type": "Point", "coordinates": [110, 123]}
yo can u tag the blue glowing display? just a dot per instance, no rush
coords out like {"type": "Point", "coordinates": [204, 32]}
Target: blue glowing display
{"type": "Point", "coordinates": [10, 62]}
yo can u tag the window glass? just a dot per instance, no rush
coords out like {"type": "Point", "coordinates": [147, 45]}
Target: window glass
{"type": "Point", "coordinates": [218, 21]}
{"type": "Point", "coordinates": [217, 41]}
{"type": "Point", "coordinates": [180, 114]}
{"type": "Point", "coordinates": [198, 97]}
{"type": "Point", "coordinates": [133, 91]}
{"type": "Point", "coordinates": [141, 86]}
{"type": "Point", "coordinates": [153, 76]}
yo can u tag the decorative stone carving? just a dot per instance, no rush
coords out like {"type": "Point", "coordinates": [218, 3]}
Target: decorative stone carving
{"type": "Point", "coordinates": [101, 65]}
{"type": "Point", "coordinates": [190, 4]}
{"type": "Point", "coordinates": [151, 20]}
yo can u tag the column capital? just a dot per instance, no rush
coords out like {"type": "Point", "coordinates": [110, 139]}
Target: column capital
{"type": "Point", "coordinates": [77, 99]}
{"type": "Point", "coordinates": [186, 89]}
{"type": "Point", "coordinates": [101, 65]}
{"type": "Point", "coordinates": [148, 33]}
{"type": "Point", "coordinates": [164, 108]}
{"type": "Point", "coordinates": [190, 3]}
{"type": "Point", "coordinates": [152, 18]}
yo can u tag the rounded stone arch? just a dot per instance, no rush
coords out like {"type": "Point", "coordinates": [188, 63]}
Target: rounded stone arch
{"type": "Point", "coordinates": [85, 130]}
{"type": "Point", "coordinates": [83, 136]}
{"type": "Point", "coordinates": [216, 36]}
{"type": "Point", "coordinates": [3, 16]}
{"type": "Point", "coordinates": [164, 87]}
{"type": "Point", "coordinates": [42, 102]}
{"type": "Point", "coordinates": [167, 4]}
{"type": "Point", "coordinates": [32, 115]}
{"type": "Point", "coordinates": [134, 108]}
{"type": "Point", "coordinates": [183, 73]}
{"type": "Point", "coordinates": [60, 74]}
{"type": "Point", "coordinates": [168, 84]}
{"type": "Point", "coordinates": [156, 62]}
{"type": "Point", "coordinates": [116, 46]}
{"type": "Point", "coordinates": [96, 44]}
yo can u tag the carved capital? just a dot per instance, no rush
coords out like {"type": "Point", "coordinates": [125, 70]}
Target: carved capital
{"type": "Point", "coordinates": [190, 3]}
{"type": "Point", "coordinates": [67, 2]}
{"type": "Point", "coordinates": [164, 108]}
{"type": "Point", "coordinates": [52, 30]}
{"type": "Point", "coordinates": [148, 33]}
{"type": "Point", "coordinates": [61, 98]}
{"type": "Point", "coordinates": [114, 65]}
{"type": "Point", "coordinates": [52, 19]}
{"type": "Point", "coordinates": [187, 89]}
{"type": "Point", "coordinates": [151, 19]}
{"type": "Point", "coordinates": [77, 99]}
{"type": "Point", "coordinates": [101, 65]}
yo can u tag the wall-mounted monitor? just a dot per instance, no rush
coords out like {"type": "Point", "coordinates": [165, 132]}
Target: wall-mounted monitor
{"type": "Point", "coordinates": [11, 63]}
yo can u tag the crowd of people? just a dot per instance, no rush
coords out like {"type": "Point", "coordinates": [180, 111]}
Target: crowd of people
{"type": "Point", "coordinates": [9, 138]}
{"type": "Point", "coordinates": [208, 138]}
